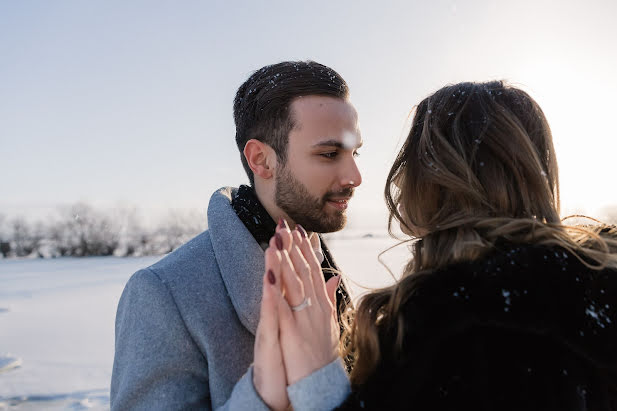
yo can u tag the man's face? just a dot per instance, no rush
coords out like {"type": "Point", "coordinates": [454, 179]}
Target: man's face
{"type": "Point", "coordinates": [315, 184]}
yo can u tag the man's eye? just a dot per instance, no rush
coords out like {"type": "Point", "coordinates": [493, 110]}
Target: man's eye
{"type": "Point", "coordinates": [356, 154]}
{"type": "Point", "coordinates": [331, 154]}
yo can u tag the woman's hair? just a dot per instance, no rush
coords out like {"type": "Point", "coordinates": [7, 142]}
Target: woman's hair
{"type": "Point", "coordinates": [478, 167]}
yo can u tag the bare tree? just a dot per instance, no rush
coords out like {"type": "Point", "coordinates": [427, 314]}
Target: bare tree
{"type": "Point", "coordinates": [178, 227]}
{"type": "Point", "coordinates": [82, 231]}
{"type": "Point", "coordinates": [25, 239]}
{"type": "Point", "coordinates": [5, 244]}
{"type": "Point", "coordinates": [131, 232]}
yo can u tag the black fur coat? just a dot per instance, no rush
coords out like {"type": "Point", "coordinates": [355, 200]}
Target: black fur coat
{"type": "Point", "coordinates": [526, 328]}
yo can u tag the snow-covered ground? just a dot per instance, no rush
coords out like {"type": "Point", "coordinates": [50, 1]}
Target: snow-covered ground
{"type": "Point", "coordinates": [57, 321]}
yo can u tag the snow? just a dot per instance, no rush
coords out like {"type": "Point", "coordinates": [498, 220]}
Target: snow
{"type": "Point", "coordinates": [57, 320]}
{"type": "Point", "coordinates": [59, 323]}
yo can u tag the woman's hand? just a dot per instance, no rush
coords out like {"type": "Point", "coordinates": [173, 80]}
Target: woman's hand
{"type": "Point", "coordinates": [309, 330]}
{"type": "Point", "coordinates": [269, 376]}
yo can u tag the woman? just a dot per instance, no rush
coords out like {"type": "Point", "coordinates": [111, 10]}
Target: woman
{"type": "Point", "coordinates": [501, 306]}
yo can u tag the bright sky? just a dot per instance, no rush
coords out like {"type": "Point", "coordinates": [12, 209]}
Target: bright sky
{"type": "Point", "coordinates": [115, 102]}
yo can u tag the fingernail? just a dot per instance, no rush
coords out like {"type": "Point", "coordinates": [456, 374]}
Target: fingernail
{"type": "Point", "coordinates": [283, 223]}
{"type": "Point", "coordinates": [278, 240]}
{"type": "Point", "coordinates": [301, 230]}
{"type": "Point", "coordinates": [271, 278]}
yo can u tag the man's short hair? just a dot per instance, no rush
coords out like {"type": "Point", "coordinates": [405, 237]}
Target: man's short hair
{"type": "Point", "coordinates": [261, 106]}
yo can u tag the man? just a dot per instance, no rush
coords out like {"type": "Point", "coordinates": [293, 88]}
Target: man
{"type": "Point", "coordinates": [185, 327]}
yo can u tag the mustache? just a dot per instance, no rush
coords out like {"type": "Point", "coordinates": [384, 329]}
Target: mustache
{"type": "Point", "coordinates": [346, 192]}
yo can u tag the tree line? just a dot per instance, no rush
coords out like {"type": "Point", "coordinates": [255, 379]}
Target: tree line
{"type": "Point", "coordinates": [81, 230]}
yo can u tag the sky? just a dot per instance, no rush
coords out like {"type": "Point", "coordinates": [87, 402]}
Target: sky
{"type": "Point", "coordinates": [118, 103]}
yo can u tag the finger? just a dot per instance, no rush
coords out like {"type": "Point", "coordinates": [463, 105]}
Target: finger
{"type": "Point", "coordinates": [307, 247]}
{"type": "Point", "coordinates": [269, 375]}
{"type": "Point", "coordinates": [267, 343]}
{"type": "Point", "coordinates": [315, 243]}
{"type": "Point", "coordinates": [272, 261]}
{"type": "Point", "coordinates": [287, 322]}
{"type": "Point", "coordinates": [284, 234]}
{"type": "Point", "coordinates": [331, 289]}
{"type": "Point", "coordinates": [270, 295]}
{"type": "Point", "coordinates": [282, 224]}
{"type": "Point", "coordinates": [318, 282]}
{"type": "Point", "coordinates": [302, 266]}
{"type": "Point", "coordinates": [267, 329]}
{"type": "Point", "coordinates": [294, 289]}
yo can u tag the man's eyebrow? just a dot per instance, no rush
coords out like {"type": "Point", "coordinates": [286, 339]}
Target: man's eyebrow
{"type": "Point", "coordinates": [329, 143]}
{"type": "Point", "coordinates": [335, 143]}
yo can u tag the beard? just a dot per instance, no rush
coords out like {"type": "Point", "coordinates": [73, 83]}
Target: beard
{"type": "Point", "coordinates": [310, 212]}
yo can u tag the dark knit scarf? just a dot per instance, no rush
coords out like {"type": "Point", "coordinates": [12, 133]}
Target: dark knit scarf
{"type": "Point", "coordinates": [249, 210]}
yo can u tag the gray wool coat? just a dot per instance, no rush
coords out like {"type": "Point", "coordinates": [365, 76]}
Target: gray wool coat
{"type": "Point", "coordinates": [185, 326]}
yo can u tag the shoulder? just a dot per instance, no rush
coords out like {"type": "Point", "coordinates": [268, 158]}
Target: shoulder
{"type": "Point", "coordinates": [530, 268]}
{"type": "Point", "coordinates": [179, 278]}
{"type": "Point", "coordinates": [193, 258]}
{"type": "Point", "coordinates": [534, 290]}
{"type": "Point", "coordinates": [516, 318]}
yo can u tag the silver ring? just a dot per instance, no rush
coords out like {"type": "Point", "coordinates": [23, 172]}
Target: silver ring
{"type": "Point", "coordinates": [302, 305]}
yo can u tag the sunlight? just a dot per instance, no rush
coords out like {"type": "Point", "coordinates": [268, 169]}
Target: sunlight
{"type": "Point", "coordinates": [579, 109]}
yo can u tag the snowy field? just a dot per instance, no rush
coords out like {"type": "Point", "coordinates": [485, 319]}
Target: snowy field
{"type": "Point", "coordinates": [57, 320]}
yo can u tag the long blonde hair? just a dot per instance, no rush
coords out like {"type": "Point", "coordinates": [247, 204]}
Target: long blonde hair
{"type": "Point", "coordinates": [478, 166]}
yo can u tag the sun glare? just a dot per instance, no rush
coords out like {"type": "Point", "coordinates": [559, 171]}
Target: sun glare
{"type": "Point", "coordinates": [579, 110]}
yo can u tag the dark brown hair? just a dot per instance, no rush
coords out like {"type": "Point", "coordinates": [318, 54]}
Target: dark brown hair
{"type": "Point", "coordinates": [478, 166]}
{"type": "Point", "coordinates": [476, 151]}
{"type": "Point", "coordinates": [261, 105]}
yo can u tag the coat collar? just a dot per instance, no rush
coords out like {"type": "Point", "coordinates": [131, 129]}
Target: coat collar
{"type": "Point", "coordinates": [239, 257]}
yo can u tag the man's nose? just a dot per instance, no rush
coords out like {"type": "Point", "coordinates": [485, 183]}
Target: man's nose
{"type": "Point", "coordinates": [351, 174]}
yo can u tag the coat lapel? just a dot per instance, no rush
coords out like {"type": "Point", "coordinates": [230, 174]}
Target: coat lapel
{"type": "Point", "coordinates": [239, 257]}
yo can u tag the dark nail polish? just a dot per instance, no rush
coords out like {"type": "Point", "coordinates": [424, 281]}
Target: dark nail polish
{"type": "Point", "coordinates": [278, 240]}
{"type": "Point", "coordinates": [283, 223]}
{"type": "Point", "coordinates": [301, 230]}
{"type": "Point", "coordinates": [271, 278]}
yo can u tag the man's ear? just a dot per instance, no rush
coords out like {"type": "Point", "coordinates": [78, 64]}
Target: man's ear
{"type": "Point", "coordinates": [260, 158]}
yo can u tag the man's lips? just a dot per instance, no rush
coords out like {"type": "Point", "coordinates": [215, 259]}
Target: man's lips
{"type": "Point", "coordinates": [339, 203]}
